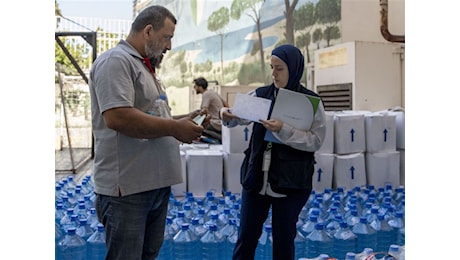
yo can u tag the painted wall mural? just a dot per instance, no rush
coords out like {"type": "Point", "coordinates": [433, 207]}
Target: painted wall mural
{"type": "Point", "coordinates": [231, 41]}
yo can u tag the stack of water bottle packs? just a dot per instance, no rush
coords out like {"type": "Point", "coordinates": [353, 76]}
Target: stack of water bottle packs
{"type": "Point", "coordinates": [334, 224]}
{"type": "Point", "coordinates": [78, 233]}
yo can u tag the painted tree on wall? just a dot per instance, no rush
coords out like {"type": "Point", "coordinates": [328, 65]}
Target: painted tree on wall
{"type": "Point", "coordinates": [237, 9]}
{"type": "Point", "coordinates": [329, 13]}
{"type": "Point", "coordinates": [304, 19]}
{"type": "Point", "coordinates": [216, 23]}
{"type": "Point", "coordinates": [289, 14]}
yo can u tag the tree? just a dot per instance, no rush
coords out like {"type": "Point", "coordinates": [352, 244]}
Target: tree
{"type": "Point", "coordinates": [328, 13]}
{"type": "Point", "coordinates": [289, 14]}
{"type": "Point", "coordinates": [57, 12]}
{"type": "Point", "coordinates": [331, 33]}
{"type": "Point", "coordinates": [305, 18]}
{"type": "Point", "coordinates": [237, 9]}
{"type": "Point", "coordinates": [216, 23]}
{"type": "Point", "coordinates": [317, 36]}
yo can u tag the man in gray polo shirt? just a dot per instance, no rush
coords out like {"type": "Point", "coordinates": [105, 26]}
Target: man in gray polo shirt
{"type": "Point", "coordinates": [137, 156]}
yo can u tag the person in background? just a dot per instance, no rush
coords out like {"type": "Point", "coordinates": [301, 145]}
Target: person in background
{"type": "Point", "coordinates": [277, 176]}
{"type": "Point", "coordinates": [155, 61]}
{"type": "Point", "coordinates": [211, 103]}
{"type": "Point", "coordinates": [136, 156]}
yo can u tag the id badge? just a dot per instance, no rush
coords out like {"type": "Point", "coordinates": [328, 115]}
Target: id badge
{"type": "Point", "coordinates": [266, 163]}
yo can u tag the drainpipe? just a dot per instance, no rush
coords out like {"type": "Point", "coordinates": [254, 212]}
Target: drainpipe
{"type": "Point", "coordinates": [384, 24]}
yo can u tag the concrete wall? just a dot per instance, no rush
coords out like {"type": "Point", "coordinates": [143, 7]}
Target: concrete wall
{"type": "Point", "coordinates": [361, 20]}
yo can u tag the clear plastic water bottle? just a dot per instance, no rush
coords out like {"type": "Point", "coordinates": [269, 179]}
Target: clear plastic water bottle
{"type": "Point", "coordinates": [71, 185]}
{"type": "Point", "coordinates": [212, 244]}
{"type": "Point", "coordinates": [84, 230]}
{"type": "Point", "coordinates": [197, 227]}
{"type": "Point", "coordinates": [71, 247]}
{"type": "Point", "coordinates": [309, 225]}
{"type": "Point", "coordinates": [58, 236]}
{"type": "Point", "coordinates": [78, 193]}
{"type": "Point", "coordinates": [213, 220]}
{"type": "Point", "coordinates": [58, 192]}
{"type": "Point", "coordinates": [235, 210]}
{"type": "Point", "coordinates": [366, 235]}
{"type": "Point", "coordinates": [229, 228]}
{"type": "Point", "coordinates": [59, 213]}
{"type": "Point", "coordinates": [386, 234]}
{"type": "Point", "coordinates": [69, 221]}
{"type": "Point", "coordinates": [223, 217]}
{"type": "Point", "coordinates": [185, 244]}
{"type": "Point", "coordinates": [80, 210]}
{"type": "Point", "coordinates": [398, 224]}
{"type": "Point", "coordinates": [393, 253]}
{"type": "Point", "coordinates": [166, 250]}
{"type": "Point", "coordinates": [160, 107]}
{"type": "Point", "coordinates": [212, 211]}
{"type": "Point", "coordinates": [92, 219]}
{"type": "Point", "coordinates": [333, 225]}
{"type": "Point", "coordinates": [319, 242]}
{"type": "Point", "coordinates": [299, 245]}
{"type": "Point", "coordinates": [230, 242]}
{"type": "Point", "coordinates": [264, 250]}
{"type": "Point", "coordinates": [188, 214]}
{"type": "Point", "coordinates": [178, 221]}
{"type": "Point", "coordinates": [95, 244]}
{"type": "Point", "coordinates": [344, 241]}
{"type": "Point", "coordinates": [88, 202]}
{"type": "Point", "coordinates": [176, 207]}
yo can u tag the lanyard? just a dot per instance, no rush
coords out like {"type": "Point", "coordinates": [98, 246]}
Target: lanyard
{"type": "Point", "coordinates": [149, 65]}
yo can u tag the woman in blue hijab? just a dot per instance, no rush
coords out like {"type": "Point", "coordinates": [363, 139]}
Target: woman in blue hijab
{"type": "Point", "coordinates": [277, 176]}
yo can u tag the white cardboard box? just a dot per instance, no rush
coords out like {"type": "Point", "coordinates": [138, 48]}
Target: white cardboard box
{"type": "Point", "coordinates": [217, 147]}
{"type": "Point", "coordinates": [349, 171]}
{"type": "Point", "coordinates": [232, 166]}
{"type": "Point", "coordinates": [383, 168]}
{"type": "Point", "coordinates": [236, 139]}
{"type": "Point", "coordinates": [349, 133]}
{"type": "Point", "coordinates": [380, 128]}
{"type": "Point", "coordinates": [180, 188]}
{"type": "Point", "coordinates": [402, 167]}
{"type": "Point", "coordinates": [400, 129]}
{"type": "Point", "coordinates": [324, 171]}
{"type": "Point", "coordinates": [204, 171]}
{"type": "Point", "coordinates": [328, 144]}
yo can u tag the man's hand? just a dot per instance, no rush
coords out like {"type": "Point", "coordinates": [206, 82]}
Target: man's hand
{"type": "Point", "coordinates": [187, 131]}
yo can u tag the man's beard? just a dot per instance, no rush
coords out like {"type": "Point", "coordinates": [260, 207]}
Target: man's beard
{"type": "Point", "coordinates": [151, 50]}
{"type": "Point", "coordinates": [156, 60]}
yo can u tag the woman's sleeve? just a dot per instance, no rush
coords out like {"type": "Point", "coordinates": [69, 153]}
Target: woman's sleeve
{"type": "Point", "coordinates": [236, 121]}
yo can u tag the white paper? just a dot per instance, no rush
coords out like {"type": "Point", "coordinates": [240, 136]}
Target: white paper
{"type": "Point", "coordinates": [251, 108]}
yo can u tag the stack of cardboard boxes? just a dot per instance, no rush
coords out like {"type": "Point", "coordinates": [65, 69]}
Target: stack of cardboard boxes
{"type": "Point", "coordinates": [361, 148]}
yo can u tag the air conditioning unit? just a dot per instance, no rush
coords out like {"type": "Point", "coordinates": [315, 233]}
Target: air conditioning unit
{"type": "Point", "coordinates": [360, 76]}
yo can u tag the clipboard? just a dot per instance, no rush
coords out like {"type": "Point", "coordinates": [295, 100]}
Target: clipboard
{"type": "Point", "coordinates": [295, 109]}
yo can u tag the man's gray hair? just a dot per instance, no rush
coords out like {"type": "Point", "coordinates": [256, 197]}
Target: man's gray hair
{"type": "Point", "coordinates": [154, 15]}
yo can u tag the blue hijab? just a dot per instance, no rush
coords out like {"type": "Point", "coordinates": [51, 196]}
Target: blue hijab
{"type": "Point", "coordinates": [293, 58]}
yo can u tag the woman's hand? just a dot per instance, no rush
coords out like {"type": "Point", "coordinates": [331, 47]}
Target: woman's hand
{"type": "Point", "coordinates": [273, 125]}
